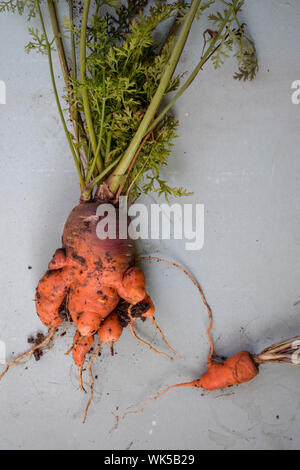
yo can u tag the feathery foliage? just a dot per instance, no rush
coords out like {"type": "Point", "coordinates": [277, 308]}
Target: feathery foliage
{"type": "Point", "coordinates": [124, 67]}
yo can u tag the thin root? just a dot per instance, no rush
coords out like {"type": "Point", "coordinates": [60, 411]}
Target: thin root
{"type": "Point", "coordinates": [117, 418]}
{"type": "Point", "coordinates": [171, 263]}
{"type": "Point", "coordinates": [50, 335]}
{"type": "Point", "coordinates": [140, 410]}
{"type": "Point", "coordinates": [164, 338]}
{"type": "Point", "coordinates": [80, 379]}
{"type": "Point", "coordinates": [95, 353]}
{"type": "Point", "coordinates": [70, 350]}
{"type": "Point", "coordinates": [147, 344]}
{"type": "Point", "coordinates": [73, 346]}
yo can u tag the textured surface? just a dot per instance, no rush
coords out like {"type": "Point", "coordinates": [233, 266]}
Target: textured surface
{"type": "Point", "coordinates": [238, 150]}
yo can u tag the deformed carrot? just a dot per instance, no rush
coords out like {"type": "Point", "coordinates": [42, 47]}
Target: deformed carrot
{"type": "Point", "coordinates": [110, 329]}
{"type": "Point", "coordinates": [81, 346]}
{"type": "Point", "coordinates": [92, 273]}
{"type": "Point", "coordinates": [237, 369]}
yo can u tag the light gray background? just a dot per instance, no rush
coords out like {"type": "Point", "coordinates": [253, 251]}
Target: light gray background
{"type": "Point", "coordinates": [238, 150]}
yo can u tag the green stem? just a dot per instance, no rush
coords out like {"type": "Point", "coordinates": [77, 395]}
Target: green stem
{"type": "Point", "coordinates": [86, 195]}
{"type": "Point", "coordinates": [64, 65]}
{"type": "Point", "coordinates": [74, 70]}
{"type": "Point", "coordinates": [58, 41]}
{"type": "Point", "coordinates": [85, 93]}
{"type": "Point", "coordinates": [210, 51]}
{"type": "Point", "coordinates": [97, 155]}
{"type": "Point", "coordinates": [73, 46]}
{"type": "Point", "coordinates": [115, 178]}
{"type": "Point", "coordinates": [77, 163]}
{"type": "Point", "coordinates": [108, 144]}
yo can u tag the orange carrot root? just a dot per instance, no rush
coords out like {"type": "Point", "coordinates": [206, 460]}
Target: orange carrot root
{"type": "Point", "coordinates": [110, 329]}
{"type": "Point", "coordinates": [80, 379]}
{"type": "Point", "coordinates": [164, 338]}
{"type": "Point", "coordinates": [140, 410]}
{"type": "Point", "coordinates": [234, 371]}
{"type": "Point", "coordinates": [75, 342]}
{"type": "Point", "coordinates": [46, 340]}
{"type": "Point", "coordinates": [210, 316]}
{"type": "Point", "coordinates": [145, 343]}
{"type": "Point", "coordinates": [95, 353]}
{"type": "Point", "coordinates": [237, 369]}
{"type": "Point", "coordinates": [81, 346]}
{"type": "Point", "coordinates": [93, 274]}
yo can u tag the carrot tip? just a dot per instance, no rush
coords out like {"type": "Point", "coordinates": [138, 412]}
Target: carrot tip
{"type": "Point", "coordinates": [95, 353]}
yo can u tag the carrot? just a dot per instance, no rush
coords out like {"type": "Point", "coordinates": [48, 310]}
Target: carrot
{"type": "Point", "coordinates": [117, 145]}
{"type": "Point", "coordinates": [50, 294]}
{"type": "Point", "coordinates": [81, 346]}
{"type": "Point", "coordinates": [93, 273]}
{"type": "Point", "coordinates": [126, 315]}
{"type": "Point", "coordinates": [59, 260]}
{"type": "Point", "coordinates": [236, 370]}
{"type": "Point", "coordinates": [150, 310]}
{"type": "Point", "coordinates": [110, 330]}
{"type": "Point", "coordinates": [133, 286]}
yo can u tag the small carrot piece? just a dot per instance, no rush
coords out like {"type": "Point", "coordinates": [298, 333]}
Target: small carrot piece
{"type": "Point", "coordinates": [133, 288]}
{"type": "Point", "coordinates": [110, 329]}
{"type": "Point", "coordinates": [237, 369]}
{"type": "Point", "coordinates": [81, 346]}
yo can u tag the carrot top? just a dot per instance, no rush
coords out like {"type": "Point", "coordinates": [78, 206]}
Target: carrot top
{"type": "Point", "coordinates": [119, 72]}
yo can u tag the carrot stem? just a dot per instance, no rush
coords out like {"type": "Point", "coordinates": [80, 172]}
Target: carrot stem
{"type": "Point", "coordinates": [210, 51]}
{"type": "Point", "coordinates": [58, 41]}
{"type": "Point", "coordinates": [116, 177]}
{"type": "Point", "coordinates": [61, 114]}
{"type": "Point", "coordinates": [85, 93]}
